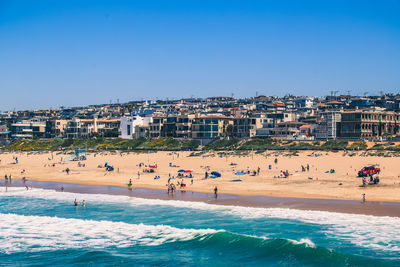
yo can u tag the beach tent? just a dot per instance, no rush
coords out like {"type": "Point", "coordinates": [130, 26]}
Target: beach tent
{"type": "Point", "coordinates": [216, 174]}
{"type": "Point", "coordinates": [80, 154]}
{"type": "Point", "coordinates": [239, 173]}
{"type": "Point", "coordinates": [181, 171]}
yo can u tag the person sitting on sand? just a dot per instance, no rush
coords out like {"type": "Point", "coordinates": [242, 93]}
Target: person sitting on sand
{"type": "Point", "coordinates": [364, 181]}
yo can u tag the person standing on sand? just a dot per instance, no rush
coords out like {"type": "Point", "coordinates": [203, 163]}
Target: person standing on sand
{"type": "Point", "coordinates": [215, 191]}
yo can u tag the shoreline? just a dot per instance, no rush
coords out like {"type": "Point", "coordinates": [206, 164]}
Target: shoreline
{"type": "Point", "coordinates": [391, 209]}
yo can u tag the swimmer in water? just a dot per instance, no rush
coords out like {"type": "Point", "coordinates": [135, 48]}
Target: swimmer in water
{"type": "Point", "coordinates": [83, 203]}
{"type": "Point", "coordinates": [76, 203]}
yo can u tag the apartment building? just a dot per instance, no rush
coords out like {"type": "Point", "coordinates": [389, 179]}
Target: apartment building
{"type": "Point", "coordinates": [211, 126]}
{"type": "Point", "coordinates": [369, 124]}
{"type": "Point", "coordinates": [329, 126]}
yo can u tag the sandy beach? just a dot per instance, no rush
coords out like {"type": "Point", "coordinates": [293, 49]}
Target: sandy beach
{"type": "Point", "coordinates": [317, 183]}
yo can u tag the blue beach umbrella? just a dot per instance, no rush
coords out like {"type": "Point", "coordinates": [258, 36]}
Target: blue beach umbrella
{"type": "Point", "coordinates": [181, 171]}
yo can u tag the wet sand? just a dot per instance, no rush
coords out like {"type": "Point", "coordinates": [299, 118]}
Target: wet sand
{"type": "Point", "coordinates": [343, 206]}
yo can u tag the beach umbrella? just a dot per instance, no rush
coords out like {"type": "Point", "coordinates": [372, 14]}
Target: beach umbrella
{"type": "Point", "coordinates": [188, 171]}
{"type": "Point", "coordinates": [153, 166]}
{"type": "Point", "coordinates": [239, 173]}
{"type": "Point", "coordinates": [181, 171]}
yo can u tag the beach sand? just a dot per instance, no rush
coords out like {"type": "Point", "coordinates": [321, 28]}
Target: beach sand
{"type": "Point", "coordinates": [343, 184]}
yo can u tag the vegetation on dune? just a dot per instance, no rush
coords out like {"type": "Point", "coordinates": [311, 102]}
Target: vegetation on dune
{"type": "Point", "coordinates": [334, 145]}
{"type": "Point", "coordinates": [259, 145]}
{"type": "Point", "coordinates": [102, 143]}
{"type": "Point", "coordinates": [222, 144]}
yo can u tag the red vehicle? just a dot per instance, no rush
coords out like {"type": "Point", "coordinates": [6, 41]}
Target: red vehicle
{"type": "Point", "coordinates": [369, 170]}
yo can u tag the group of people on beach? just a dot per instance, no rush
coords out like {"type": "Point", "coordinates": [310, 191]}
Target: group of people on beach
{"type": "Point", "coordinates": [373, 180]}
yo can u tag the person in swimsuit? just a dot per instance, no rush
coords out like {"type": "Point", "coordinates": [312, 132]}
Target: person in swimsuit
{"type": "Point", "coordinates": [76, 203]}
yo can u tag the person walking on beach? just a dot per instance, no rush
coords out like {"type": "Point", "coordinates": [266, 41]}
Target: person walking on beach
{"type": "Point", "coordinates": [308, 167]}
{"type": "Point", "coordinates": [215, 191]}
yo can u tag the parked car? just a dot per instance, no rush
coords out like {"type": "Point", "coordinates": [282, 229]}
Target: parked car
{"type": "Point", "coordinates": [369, 170]}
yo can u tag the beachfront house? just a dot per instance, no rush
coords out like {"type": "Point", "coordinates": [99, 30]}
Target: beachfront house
{"type": "Point", "coordinates": [211, 126]}
{"type": "Point", "coordinates": [28, 129]}
{"type": "Point", "coordinates": [133, 127]}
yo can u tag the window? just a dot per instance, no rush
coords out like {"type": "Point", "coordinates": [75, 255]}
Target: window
{"type": "Point", "coordinates": [128, 130]}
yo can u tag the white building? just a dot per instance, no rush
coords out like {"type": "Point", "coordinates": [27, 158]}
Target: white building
{"type": "Point", "coordinates": [132, 127]}
{"type": "Point", "coordinates": [328, 128]}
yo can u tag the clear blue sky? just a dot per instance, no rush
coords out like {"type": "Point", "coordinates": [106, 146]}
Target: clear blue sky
{"type": "Point", "coordinates": [71, 53]}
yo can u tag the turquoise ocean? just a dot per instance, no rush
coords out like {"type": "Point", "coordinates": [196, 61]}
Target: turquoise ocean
{"type": "Point", "coordinates": [41, 227]}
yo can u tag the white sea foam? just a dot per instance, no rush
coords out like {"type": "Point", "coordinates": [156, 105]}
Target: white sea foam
{"type": "Point", "coordinates": [36, 233]}
{"type": "Point", "coordinates": [376, 232]}
{"type": "Point", "coordinates": [304, 241]}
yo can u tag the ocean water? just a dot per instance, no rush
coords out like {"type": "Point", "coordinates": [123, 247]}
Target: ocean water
{"type": "Point", "coordinates": [42, 227]}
